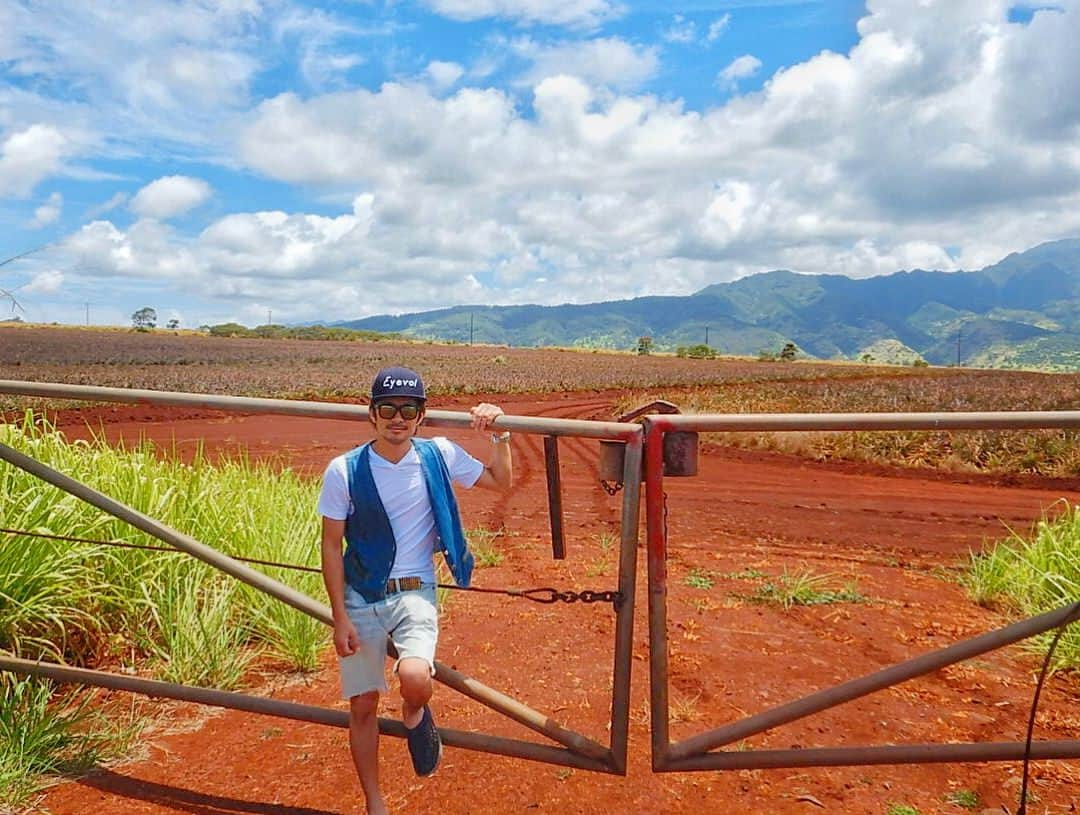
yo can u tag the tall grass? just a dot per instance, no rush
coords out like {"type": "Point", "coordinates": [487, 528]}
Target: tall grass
{"type": "Point", "coordinates": [43, 733]}
{"type": "Point", "coordinates": [1029, 576]}
{"type": "Point", "coordinates": [85, 603]}
{"type": "Point", "coordinates": [161, 612]}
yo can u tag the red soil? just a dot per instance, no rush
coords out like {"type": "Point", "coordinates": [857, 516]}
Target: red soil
{"type": "Point", "coordinates": [895, 534]}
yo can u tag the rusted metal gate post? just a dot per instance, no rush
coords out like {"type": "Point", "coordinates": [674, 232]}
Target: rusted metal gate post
{"type": "Point", "coordinates": [624, 620]}
{"type": "Point", "coordinates": [554, 489]}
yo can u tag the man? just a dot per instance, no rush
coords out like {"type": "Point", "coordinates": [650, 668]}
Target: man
{"type": "Point", "coordinates": [392, 503]}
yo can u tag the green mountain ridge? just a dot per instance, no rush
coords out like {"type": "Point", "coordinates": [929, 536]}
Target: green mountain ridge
{"type": "Point", "coordinates": [1023, 311]}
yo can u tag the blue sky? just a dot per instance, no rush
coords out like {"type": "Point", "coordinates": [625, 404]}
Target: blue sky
{"type": "Point", "coordinates": [239, 159]}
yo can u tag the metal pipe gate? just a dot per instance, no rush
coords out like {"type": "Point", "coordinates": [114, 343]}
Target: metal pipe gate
{"type": "Point", "coordinates": [643, 465]}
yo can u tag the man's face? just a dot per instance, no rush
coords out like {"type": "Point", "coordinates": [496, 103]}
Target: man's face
{"type": "Point", "coordinates": [397, 418]}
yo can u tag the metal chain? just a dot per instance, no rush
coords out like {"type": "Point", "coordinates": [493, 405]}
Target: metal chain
{"type": "Point", "coordinates": [583, 596]}
{"type": "Point", "coordinates": [611, 487]}
{"type": "Point", "coordinates": [548, 595]}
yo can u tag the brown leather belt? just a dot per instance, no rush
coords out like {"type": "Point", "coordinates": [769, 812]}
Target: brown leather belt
{"type": "Point", "coordinates": [396, 584]}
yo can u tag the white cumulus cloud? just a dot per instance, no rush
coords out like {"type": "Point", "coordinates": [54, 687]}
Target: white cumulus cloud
{"type": "Point", "coordinates": [170, 196]}
{"type": "Point", "coordinates": [27, 156]}
{"type": "Point", "coordinates": [48, 211]}
{"type": "Point", "coordinates": [608, 61]}
{"type": "Point", "coordinates": [47, 282]}
{"type": "Point", "coordinates": [131, 71]}
{"type": "Point", "coordinates": [443, 74]}
{"type": "Point", "coordinates": [681, 30]}
{"type": "Point", "coordinates": [739, 68]}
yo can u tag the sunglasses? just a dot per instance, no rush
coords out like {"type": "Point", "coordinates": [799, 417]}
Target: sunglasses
{"type": "Point", "coordinates": [387, 410]}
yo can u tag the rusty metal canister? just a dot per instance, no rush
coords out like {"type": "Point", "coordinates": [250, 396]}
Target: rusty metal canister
{"type": "Point", "coordinates": [680, 456]}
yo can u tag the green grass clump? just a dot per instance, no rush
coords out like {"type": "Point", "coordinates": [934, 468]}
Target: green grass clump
{"type": "Point", "coordinates": [699, 579]}
{"type": "Point", "coordinates": [1033, 575]}
{"type": "Point", "coordinates": [40, 733]}
{"type": "Point", "coordinates": [968, 799]}
{"type": "Point", "coordinates": [482, 545]}
{"type": "Point", "coordinates": [805, 588]}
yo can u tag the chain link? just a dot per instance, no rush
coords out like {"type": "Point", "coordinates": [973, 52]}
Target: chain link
{"type": "Point", "coordinates": [549, 595]}
{"type": "Point", "coordinates": [611, 487]}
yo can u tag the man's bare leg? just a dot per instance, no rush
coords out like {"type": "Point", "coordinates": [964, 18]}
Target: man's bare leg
{"type": "Point", "coordinates": [416, 688]}
{"type": "Point", "coordinates": [364, 746]}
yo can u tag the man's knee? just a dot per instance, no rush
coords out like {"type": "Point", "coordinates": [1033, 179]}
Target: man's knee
{"type": "Point", "coordinates": [364, 705]}
{"type": "Point", "coordinates": [415, 677]}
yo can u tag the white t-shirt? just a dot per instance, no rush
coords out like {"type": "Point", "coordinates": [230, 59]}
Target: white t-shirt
{"type": "Point", "coordinates": [404, 497]}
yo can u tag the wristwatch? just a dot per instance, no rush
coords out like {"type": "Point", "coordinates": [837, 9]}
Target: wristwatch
{"type": "Point", "coordinates": [499, 438]}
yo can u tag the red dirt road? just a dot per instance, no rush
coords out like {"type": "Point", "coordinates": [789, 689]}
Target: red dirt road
{"type": "Point", "coordinates": [894, 536]}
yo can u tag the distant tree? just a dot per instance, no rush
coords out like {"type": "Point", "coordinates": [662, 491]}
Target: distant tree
{"type": "Point", "coordinates": [701, 351]}
{"type": "Point", "coordinates": [229, 330]}
{"type": "Point", "coordinates": [173, 324]}
{"type": "Point", "coordinates": [789, 352]}
{"type": "Point", "coordinates": [644, 346]}
{"type": "Point", "coordinates": [144, 319]}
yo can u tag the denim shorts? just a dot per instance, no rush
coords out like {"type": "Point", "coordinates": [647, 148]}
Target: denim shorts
{"type": "Point", "coordinates": [409, 618]}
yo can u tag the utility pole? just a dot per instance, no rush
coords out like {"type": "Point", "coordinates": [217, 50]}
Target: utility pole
{"type": "Point", "coordinates": [706, 335]}
{"type": "Point", "coordinates": [269, 316]}
{"type": "Point", "coordinates": [959, 329]}
{"type": "Point", "coordinates": [88, 314]}
{"type": "Point", "coordinates": [470, 327]}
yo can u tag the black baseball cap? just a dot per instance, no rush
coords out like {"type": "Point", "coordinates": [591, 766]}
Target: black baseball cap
{"type": "Point", "coordinates": [397, 381]}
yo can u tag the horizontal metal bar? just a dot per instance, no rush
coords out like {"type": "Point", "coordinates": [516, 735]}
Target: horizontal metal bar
{"type": "Point", "coordinates": [322, 410]}
{"type": "Point", "coordinates": [992, 420]}
{"type": "Point", "coordinates": [865, 685]}
{"type": "Point", "coordinates": [295, 711]}
{"type": "Point", "coordinates": [874, 754]}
